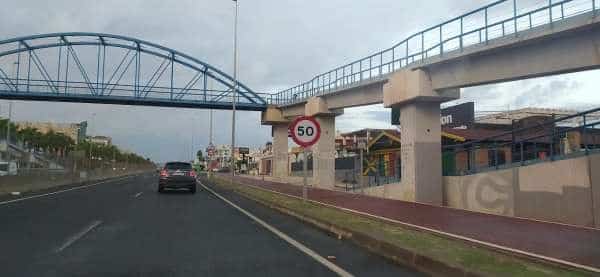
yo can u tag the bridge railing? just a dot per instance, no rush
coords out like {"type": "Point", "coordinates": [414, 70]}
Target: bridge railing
{"type": "Point", "coordinates": [545, 140]}
{"type": "Point", "coordinates": [499, 19]}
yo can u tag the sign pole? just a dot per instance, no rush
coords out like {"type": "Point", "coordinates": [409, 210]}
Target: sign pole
{"type": "Point", "coordinates": [360, 174]}
{"type": "Point", "coordinates": [305, 131]}
{"type": "Point", "coordinates": [305, 177]}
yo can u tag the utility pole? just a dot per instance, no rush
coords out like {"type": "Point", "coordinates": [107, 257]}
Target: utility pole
{"type": "Point", "coordinates": [10, 104]}
{"type": "Point", "coordinates": [8, 131]}
{"type": "Point", "coordinates": [90, 143]}
{"type": "Point", "coordinates": [235, 87]}
{"type": "Point", "coordinates": [208, 158]}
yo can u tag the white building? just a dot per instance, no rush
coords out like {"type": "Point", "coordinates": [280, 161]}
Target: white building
{"type": "Point", "coordinates": [104, 140]}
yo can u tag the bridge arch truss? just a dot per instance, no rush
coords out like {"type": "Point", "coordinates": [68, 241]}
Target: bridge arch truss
{"type": "Point", "coordinates": [114, 69]}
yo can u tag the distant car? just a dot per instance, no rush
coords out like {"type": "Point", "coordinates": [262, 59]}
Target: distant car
{"type": "Point", "coordinates": [177, 175]}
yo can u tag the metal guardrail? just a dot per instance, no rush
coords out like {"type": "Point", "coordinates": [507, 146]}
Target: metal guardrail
{"type": "Point", "coordinates": [525, 144]}
{"type": "Point", "coordinates": [499, 19]}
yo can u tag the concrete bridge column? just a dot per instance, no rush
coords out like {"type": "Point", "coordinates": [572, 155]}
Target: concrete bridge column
{"type": "Point", "coordinates": [420, 134]}
{"type": "Point", "coordinates": [280, 151]}
{"type": "Point", "coordinates": [421, 153]}
{"type": "Point", "coordinates": [324, 150]}
{"type": "Point", "coordinates": [324, 154]}
{"type": "Point", "coordinates": [274, 117]}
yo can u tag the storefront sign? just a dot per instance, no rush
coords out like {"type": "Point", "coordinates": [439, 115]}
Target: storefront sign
{"type": "Point", "coordinates": [459, 115]}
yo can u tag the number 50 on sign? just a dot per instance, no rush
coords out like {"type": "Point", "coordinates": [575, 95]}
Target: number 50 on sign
{"type": "Point", "coordinates": [305, 131]}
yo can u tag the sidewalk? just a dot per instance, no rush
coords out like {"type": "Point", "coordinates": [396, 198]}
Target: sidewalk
{"type": "Point", "coordinates": [568, 243]}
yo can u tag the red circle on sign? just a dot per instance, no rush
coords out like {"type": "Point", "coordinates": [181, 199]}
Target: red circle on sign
{"type": "Point", "coordinates": [297, 138]}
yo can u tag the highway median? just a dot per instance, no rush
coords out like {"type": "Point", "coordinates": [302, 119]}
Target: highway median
{"type": "Point", "coordinates": [427, 252]}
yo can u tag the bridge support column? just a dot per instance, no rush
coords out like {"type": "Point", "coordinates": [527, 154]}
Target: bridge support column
{"type": "Point", "coordinates": [280, 151]}
{"type": "Point", "coordinates": [273, 116]}
{"type": "Point", "coordinates": [420, 135]}
{"type": "Point", "coordinates": [323, 151]}
{"type": "Point", "coordinates": [324, 154]}
{"type": "Point", "coordinates": [421, 155]}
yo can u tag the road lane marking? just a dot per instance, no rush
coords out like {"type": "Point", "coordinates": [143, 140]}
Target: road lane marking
{"type": "Point", "coordinates": [78, 235]}
{"type": "Point", "coordinates": [60, 191]}
{"type": "Point", "coordinates": [137, 195]}
{"type": "Point", "coordinates": [309, 252]}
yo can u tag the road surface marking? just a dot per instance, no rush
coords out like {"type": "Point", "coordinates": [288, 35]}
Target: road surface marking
{"type": "Point", "coordinates": [60, 191]}
{"type": "Point", "coordinates": [78, 235]}
{"type": "Point", "coordinates": [311, 253]}
{"type": "Point", "coordinates": [459, 237]}
{"type": "Point", "coordinates": [137, 195]}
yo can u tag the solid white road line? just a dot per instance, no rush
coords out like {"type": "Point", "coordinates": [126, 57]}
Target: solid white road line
{"type": "Point", "coordinates": [137, 195]}
{"type": "Point", "coordinates": [78, 235]}
{"type": "Point", "coordinates": [309, 252]}
{"type": "Point", "coordinates": [61, 191]}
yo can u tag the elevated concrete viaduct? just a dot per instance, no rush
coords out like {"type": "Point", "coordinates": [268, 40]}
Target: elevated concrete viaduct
{"type": "Point", "coordinates": [569, 45]}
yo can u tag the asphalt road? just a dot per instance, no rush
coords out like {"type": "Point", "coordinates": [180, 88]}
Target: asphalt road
{"type": "Point", "coordinates": [125, 228]}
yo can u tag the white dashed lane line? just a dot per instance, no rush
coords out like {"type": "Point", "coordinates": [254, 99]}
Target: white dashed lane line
{"type": "Point", "coordinates": [72, 239]}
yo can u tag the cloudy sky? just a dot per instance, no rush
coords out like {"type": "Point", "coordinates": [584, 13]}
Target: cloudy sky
{"type": "Point", "coordinates": [281, 44]}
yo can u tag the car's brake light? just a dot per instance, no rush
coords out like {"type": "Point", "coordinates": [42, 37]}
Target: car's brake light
{"type": "Point", "coordinates": [192, 173]}
{"type": "Point", "coordinates": [164, 173]}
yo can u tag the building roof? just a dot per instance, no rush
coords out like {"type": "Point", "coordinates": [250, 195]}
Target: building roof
{"type": "Point", "coordinates": [508, 116]}
{"type": "Point", "coordinates": [363, 132]}
{"type": "Point", "coordinates": [474, 134]}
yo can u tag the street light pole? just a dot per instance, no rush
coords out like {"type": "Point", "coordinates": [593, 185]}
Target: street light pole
{"type": "Point", "coordinates": [8, 130]}
{"type": "Point", "coordinates": [235, 87]}
{"type": "Point", "coordinates": [210, 133]}
{"type": "Point", "coordinates": [90, 142]}
{"type": "Point", "coordinates": [10, 105]}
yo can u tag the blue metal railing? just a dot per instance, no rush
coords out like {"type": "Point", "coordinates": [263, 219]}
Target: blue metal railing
{"type": "Point", "coordinates": [499, 19]}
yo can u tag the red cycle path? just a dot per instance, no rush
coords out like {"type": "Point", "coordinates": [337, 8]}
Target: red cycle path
{"type": "Point", "coordinates": [564, 242]}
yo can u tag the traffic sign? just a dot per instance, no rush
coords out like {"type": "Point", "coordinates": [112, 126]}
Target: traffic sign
{"type": "Point", "coordinates": [305, 131]}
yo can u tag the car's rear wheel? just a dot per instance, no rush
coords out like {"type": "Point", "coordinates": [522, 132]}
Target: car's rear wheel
{"type": "Point", "coordinates": [161, 190]}
{"type": "Point", "coordinates": [193, 189]}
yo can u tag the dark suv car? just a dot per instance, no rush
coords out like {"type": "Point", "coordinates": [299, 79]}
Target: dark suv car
{"type": "Point", "coordinates": [177, 175]}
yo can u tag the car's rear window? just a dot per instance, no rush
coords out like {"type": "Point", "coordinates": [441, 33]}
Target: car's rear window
{"type": "Point", "coordinates": [175, 166]}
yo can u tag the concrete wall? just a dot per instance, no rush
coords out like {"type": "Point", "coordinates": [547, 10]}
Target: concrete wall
{"type": "Point", "coordinates": [485, 192]}
{"type": "Point", "coordinates": [556, 191]}
{"type": "Point", "coordinates": [565, 191]}
{"type": "Point", "coordinates": [595, 180]}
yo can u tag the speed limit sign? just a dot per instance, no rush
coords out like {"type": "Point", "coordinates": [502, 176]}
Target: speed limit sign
{"type": "Point", "coordinates": [305, 131]}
